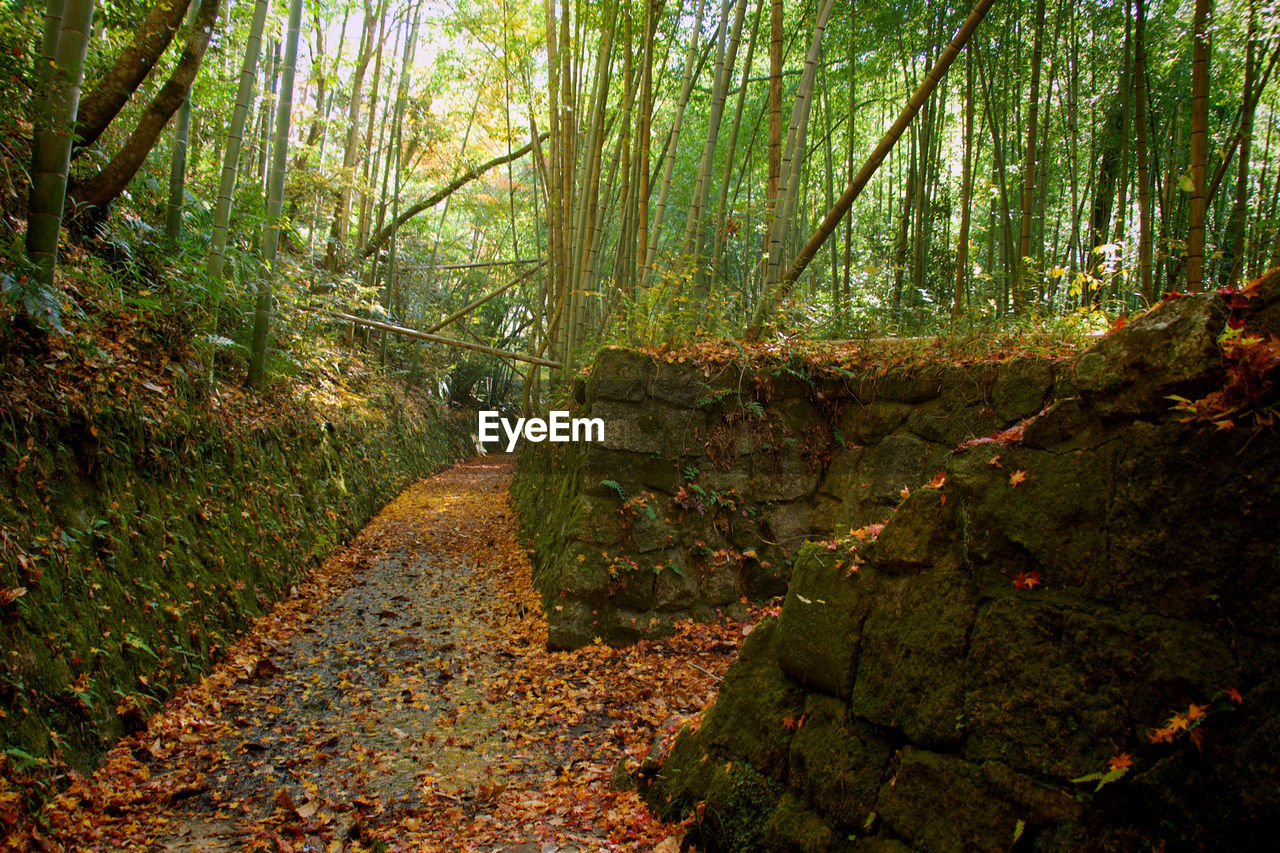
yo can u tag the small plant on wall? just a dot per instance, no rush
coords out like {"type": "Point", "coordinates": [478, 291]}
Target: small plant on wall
{"type": "Point", "coordinates": [620, 568]}
{"type": "Point", "coordinates": [633, 508]}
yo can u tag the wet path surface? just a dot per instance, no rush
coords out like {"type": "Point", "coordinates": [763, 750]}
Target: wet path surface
{"type": "Point", "coordinates": [404, 700]}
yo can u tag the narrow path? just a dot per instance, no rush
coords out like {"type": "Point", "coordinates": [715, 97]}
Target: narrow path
{"type": "Point", "coordinates": [403, 699]}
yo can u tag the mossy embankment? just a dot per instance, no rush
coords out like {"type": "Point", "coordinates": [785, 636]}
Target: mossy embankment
{"type": "Point", "coordinates": [149, 510]}
{"type": "Point", "coordinates": [1066, 640]}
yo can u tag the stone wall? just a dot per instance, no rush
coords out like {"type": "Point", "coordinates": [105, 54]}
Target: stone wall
{"type": "Point", "coordinates": [1070, 642]}
{"type": "Point", "coordinates": [710, 478]}
{"type": "Point", "coordinates": [141, 546]}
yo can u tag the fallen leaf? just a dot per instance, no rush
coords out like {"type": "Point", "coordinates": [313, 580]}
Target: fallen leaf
{"type": "Point", "coordinates": [1027, 580]}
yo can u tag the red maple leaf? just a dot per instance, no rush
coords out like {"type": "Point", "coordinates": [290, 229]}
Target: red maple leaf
{"type": "Point", "coordinates": [1027, 580]}
{"type": "Point", "coordinates": [1123, 761]}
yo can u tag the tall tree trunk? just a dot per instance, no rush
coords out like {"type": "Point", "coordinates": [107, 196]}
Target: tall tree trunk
{"type": "Point", "coordinates": [320, 76]}
{"type": "Point", "coordinates": [673, 143]}
{"type": "Point", "coordinates": [92, 196]}
{"type": "Point", "coordinates": [319, 134]}
{"type": "Point", "coordinates": [1103, 200]}
{"type": "Point", "coordinates": [275, 198]}
{"type": "Point", "coordinates": [966, 194]}
{"type": "Point", "coordinates": [370, 162]}
{"type": "Point", "coordinates": [392, 273]}
{"type": "Point", "coordinates": [586, 252]}
{"type": "Point", "coordinates": [266, 109]}
{"type": "Point", "coordinates": [1236, 228]}
{"type": "Point", "coordinates": [1029, 164]}
{"type": "Point", "coordinates": [775, 104]}
{"type": "Point", "coordinates": [1122, 204]}
{"type": "Point", "coordinates": [644, 139]}
{"type": "Point", "coordinates": [722, 206]}
{"type": "Point", "coordinates": [1145, 272]}
{"type": "Point", "coordinates": [622, 272]}
{"type": "Point", "coordinates": [114, 88]}
{"type": "Point", "coordinates": [793, 154]}
{"type": "Point", "coordinates": [235, 138]}
{"type": "Point", "coordinates": [52, 25]}
{"type": "Point", "coordinates": [54, 132]}
{"type": "Point", "coordinates": [1199, 146]}
{"type": "Point", "coordinates": [178, 162]}
{"type": "Point", "coordinates": [691, 240]}
{"type": "Point", "coordinates": [904, 223]}
{"type": "Point", "coordinates": [852, 128]}
{"type": "Point", "coordinates": [1000, 168]}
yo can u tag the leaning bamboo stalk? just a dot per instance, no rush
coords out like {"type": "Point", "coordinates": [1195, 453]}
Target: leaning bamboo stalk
{"type": "Point", "coordinates": [436, 339]}
{"type": "Point", "coordinates": [384, 234]}
{"type": "Point", "coordinates": [860, 180]}
{"type": "Point", "coordinates": [498, 291]}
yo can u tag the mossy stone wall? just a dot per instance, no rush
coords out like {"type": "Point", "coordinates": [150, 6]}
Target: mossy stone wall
{"type": "Point", "coordinates": [710, 478]}
{"type": "Point", "coordinates": [140, 548]}
{"type": "Point", "coordinates": [1069, 643]}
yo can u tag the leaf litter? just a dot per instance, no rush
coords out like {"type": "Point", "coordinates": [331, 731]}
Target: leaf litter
{"type": "Point", "coordinates": [403, 699]}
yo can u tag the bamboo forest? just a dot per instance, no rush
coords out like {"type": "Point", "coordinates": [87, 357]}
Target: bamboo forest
{"type": "Point", "coordinates": [729, 425]}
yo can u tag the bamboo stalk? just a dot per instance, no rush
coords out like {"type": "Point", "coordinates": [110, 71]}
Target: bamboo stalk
{"type": "Point", "coordinates": [461, 312]}
{"type": "Point", "coordinates": [436, 339]}
{"type": "Point", "coordinates": [860, 180]}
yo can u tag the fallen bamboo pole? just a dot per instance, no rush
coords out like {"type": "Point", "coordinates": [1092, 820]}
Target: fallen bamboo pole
{"type": "Point", "coordinates": [483, 299]}
{"type": "Point", "coordinates": [436, 339]}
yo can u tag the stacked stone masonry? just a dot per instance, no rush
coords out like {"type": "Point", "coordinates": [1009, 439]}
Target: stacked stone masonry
{"type": "Point", "coordinates": [1040, 615]}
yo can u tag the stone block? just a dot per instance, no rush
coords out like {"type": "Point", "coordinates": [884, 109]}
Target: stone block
{"type": "Point", "coordinates": [1021, 388]}
{"type": "Point", "coordinates": [620, 374]}
{"type": "Point", "coordinates": [837, 763]}
{"type": "Point", "coordinates": [910, 670]}
{"type": "Point", "coordinates": [945, 804]}
{"type": "Point", "coordinates": [918, 535]}
{"type": "Point", "coordinates": [820, 626]}
{"type": "Point", "coordinates": [638, 429]}
{"type": "Point", "coordinates": [1172, 349]}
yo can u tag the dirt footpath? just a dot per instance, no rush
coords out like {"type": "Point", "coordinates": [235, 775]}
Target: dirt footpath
{"type": "Point", "coordinates": [403, 699]}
